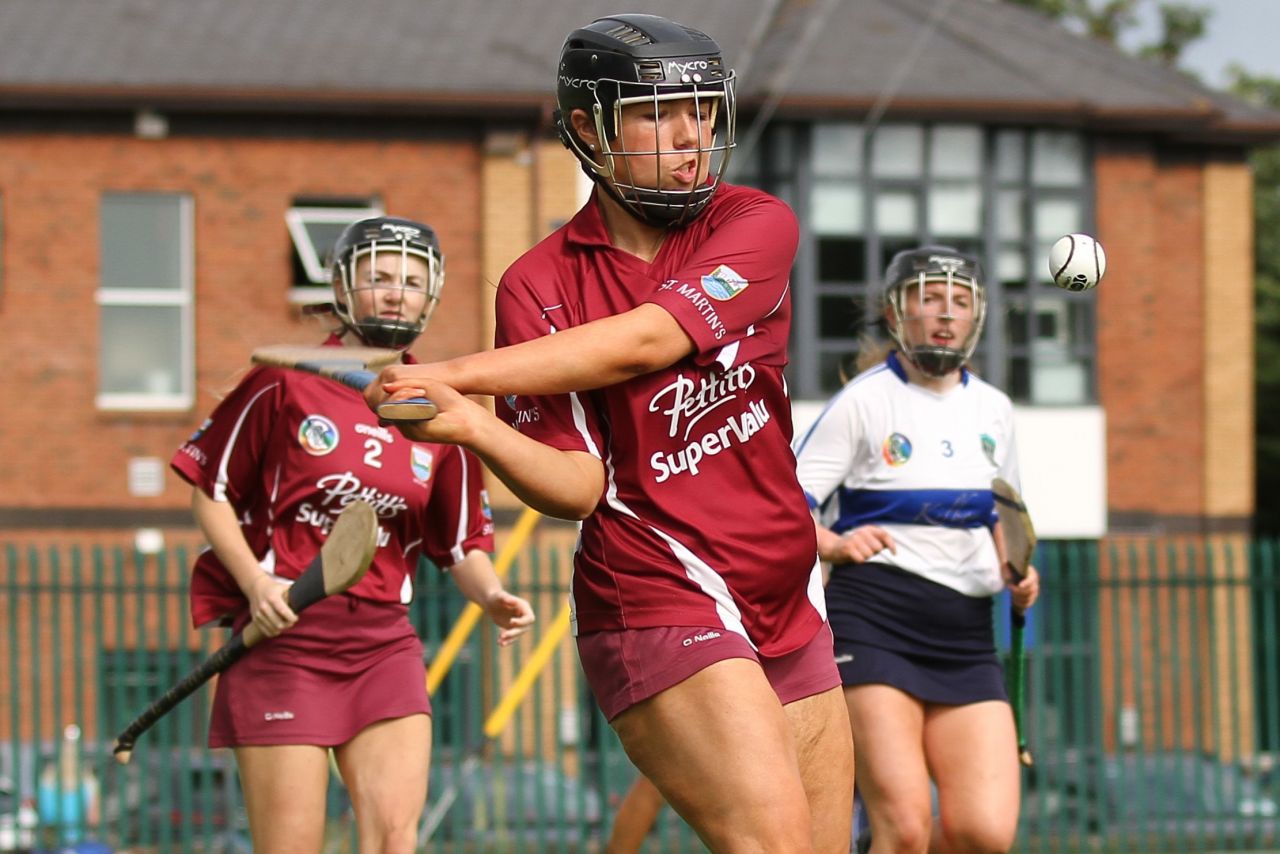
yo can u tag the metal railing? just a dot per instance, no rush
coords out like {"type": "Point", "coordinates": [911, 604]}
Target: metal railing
{"type": "Point", "coordinates": [1153, 710]}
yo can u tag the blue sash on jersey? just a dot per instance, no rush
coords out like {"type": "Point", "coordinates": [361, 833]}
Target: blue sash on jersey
{"type": "Point", "coordinates": [947, 508]}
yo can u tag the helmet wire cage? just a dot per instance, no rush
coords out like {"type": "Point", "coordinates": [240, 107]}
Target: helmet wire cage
{"type": "Point", "coordinates": [622, 63]}
{"type": "Point", "coordinates": [936, 360]}
{"type": "Point", "coordinates": [377, 329]}
{"type": "Point", "coordinates": [714, 145]}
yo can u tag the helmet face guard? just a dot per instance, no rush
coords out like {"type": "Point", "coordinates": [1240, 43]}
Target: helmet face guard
{"type": "Point", "coordinates": [644, 62]}
{"type": "Point", "coordinates": [909, 273]}
{"type": "Point", "coordinates": [376, 240]}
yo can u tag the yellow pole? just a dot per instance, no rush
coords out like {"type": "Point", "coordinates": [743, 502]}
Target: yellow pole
{"type": "Point", "coordinates": [497, 720]}
{"type": "Point", "coordinates": [466, 622]}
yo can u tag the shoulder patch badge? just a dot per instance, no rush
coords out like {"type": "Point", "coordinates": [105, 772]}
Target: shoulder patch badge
{"type": "Point", "coordinates": [723, 283]}
{"type": "Point", "coordinates": [420, 460]}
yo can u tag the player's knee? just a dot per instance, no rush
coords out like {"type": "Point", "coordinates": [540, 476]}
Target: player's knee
{"type": "Point", "coordinates": [389, 832]}
{"type": "Point", "coordinates": [906, 832]}
{"type": "Point", "coordinates": [981, 838]}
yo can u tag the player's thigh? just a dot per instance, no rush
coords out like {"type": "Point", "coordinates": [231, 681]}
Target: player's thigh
{"type": "Point", "coordinates": [888, 740]}
{"type": "Point", "coordinates": [385, 768]}
{"type": "Point", "coordinates": [284, 796]}
{"type": "Point", "coordinates": [972, 754]}
{"type": "Point", "coordinates": [820, 727]}
{"type": "Point", "coordinates": [719, 747]}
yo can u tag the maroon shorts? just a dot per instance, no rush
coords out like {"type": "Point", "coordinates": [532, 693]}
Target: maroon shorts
{"type": "Point", "coordinates": [627, 666]}
{"type": "Point", "coordinates": [348, 663]}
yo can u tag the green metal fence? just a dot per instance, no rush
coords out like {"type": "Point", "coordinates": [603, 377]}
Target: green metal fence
{"type": "Point", "coordinates": [1153, 711]}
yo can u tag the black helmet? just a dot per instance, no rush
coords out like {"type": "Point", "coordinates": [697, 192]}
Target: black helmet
{"type": "Point", "coordinates": [385, 234]}
{"type": "Point", "coordinates": [634, 59]}
{"type": "Point", "coordinates": [915, 267]}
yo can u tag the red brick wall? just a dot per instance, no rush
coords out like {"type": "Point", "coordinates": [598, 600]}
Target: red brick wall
{"type": "Point", "coordinates": [1151, 327]}
{"type": "Point", "coordinates": [58, 449]}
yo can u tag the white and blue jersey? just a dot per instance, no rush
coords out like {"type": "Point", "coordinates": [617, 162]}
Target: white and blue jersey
{"type": "Point", "coordinates": [919, 464]}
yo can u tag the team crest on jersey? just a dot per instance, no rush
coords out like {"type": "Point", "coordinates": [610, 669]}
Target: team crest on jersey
{"type": "Point", "coordinates": [200, 430]}
{"type": "Point", "coordinates": [723, 283]}
{"type": "Point", "coordinates": [318, 435]}
{"type": "Point", "coordinates": [897, 449]}
{"type": "Point", "coordinates": [420, 460]}
{"type": "Point", "coordinates": [989, 448]}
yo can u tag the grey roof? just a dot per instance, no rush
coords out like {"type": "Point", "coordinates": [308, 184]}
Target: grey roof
{"type": "Point", "coordinates": [980, 58]}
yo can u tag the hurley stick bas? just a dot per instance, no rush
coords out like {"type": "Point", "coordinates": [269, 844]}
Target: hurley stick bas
{"type": "Point", "coordinates": [351, 366]}
{"type": "Point", "coordinates": [341, 563]}
{"type": "Point", "coordinates": [1019, 545]}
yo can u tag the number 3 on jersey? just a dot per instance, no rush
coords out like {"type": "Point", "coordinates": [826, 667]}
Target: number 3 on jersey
{"type": "Point", "coordinates": [947, 450]}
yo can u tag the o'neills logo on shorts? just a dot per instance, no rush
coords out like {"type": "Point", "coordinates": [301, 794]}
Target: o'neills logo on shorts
{"type": "Point", "coordinates": [700, 638]}
{"type": "Point", "coordinates": [278, 716]}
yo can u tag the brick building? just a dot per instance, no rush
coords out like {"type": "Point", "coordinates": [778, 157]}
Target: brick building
{"type": "Point", "coordinates": [170, 173]}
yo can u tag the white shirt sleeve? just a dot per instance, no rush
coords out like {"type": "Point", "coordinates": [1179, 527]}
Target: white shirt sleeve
{"type": "Point", "coordinates": [1009, 470]}
{"type": "Point", "coordinates": [826, 454]}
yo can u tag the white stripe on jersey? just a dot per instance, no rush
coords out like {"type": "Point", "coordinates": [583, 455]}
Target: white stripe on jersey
{"type": "Point", "coordinates": [698, 571]}
{"type": "Point", "coordinates": [464, 514]}
{"type": "Point", "coordinates": [220, 483]}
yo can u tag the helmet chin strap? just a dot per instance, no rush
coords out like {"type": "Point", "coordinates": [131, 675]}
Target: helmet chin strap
{"type": "Point", "coordinates": [936, 362]}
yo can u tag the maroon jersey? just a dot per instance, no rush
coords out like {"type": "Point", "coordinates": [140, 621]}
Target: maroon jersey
{"type": "Point", "coordinates": [290, 450]}
{"type": "Point", "coordinates": [702, 522]}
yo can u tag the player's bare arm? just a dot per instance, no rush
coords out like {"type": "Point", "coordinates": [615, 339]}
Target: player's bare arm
{"type": "Point", "coordinates": [594, 355]}
{"type": "Point", "coordinates": [266, 594]}
{"type": "Point", "coordinates": [857, 546]}
{"type": "Point", "coordinates": [564, 484]}
{"type": "Point", "coordinates": [478, 582]}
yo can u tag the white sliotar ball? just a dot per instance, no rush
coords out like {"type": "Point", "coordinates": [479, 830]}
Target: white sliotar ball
{"type": "Point", "coordinates": [1077, 262]}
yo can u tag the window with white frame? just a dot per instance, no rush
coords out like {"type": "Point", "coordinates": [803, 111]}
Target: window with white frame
{"type": "Point", "coordinates": [1004, 194]}
{"type": "Point", "coordinates": [314, 226]}
{"type": "Point", "coordinates": [145, 302]}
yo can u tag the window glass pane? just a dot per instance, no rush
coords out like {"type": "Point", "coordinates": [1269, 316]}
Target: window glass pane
{"type": "Point", "coordinates": [837, 208]}
{"type": "Point", "coordinates": [1015, 325]}
{"type": "Point", "coordinates": [782, 157]}
{"type": "Point", "coordinates": [141, 350]}
{"type": "Point", "coordinates": [786, 191]}
{"type": "Point", "coordinates": [898, 152]}
{"type": "Point", "coordinates": [141, 241]}
{"type": "Point", "coordinates": [839, 316]}
{"type": "Point", "coordinates": [836, 367]}
{"type": "Point", "coordinates": [1010, 146]}
{"type": "Point", "coordinates": [956, 152]}
{"type": "Point", "coordinates": [1057, 159]}
{"type": "Point", "coordinates": [961, 243]}
{"type": "Point", "coordinates": [837, 149]}
{"type": "Point", "coordinates": [1019, 378]}
{"type": "Point", "coordinates": [1054, 218]}
{"type": "Point", "coordinates": [955, 210]}
{"type": "Point", "coordinates": [745, 166]}
{"type": "Point", "coordinates": [841, 259]}
{"type": "Point", "coordinates": [1008, 209]}
{"type": "Point", "coordinates": [897, 213]}
{"type": "Point", "coordinates": [1011, 266]}
{"type": "Point", "coordinates": [1057, 377]}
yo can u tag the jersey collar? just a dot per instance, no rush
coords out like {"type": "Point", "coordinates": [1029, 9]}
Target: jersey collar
{"type": "Point", "coordinates": [587, 226]}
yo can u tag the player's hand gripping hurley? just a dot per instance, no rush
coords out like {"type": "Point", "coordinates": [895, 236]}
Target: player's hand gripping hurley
{"type": "Point", "coordinates": [341, 563]}
{"type": "Point", "coordinates": [1019, 545]}
{"type": "Point", "coordinates": [351, 367]}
